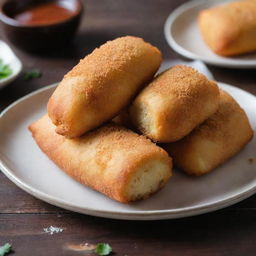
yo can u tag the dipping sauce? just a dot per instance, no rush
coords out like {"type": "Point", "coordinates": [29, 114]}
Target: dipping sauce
{"type": "Point", "coordinates": [46, 13]}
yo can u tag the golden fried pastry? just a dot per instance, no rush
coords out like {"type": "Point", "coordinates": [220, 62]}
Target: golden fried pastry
{"type": "Point", "coordinates": [220, 137]}
{"type": "Point", "coordinates": [112, 160]}
{"type": "Point", "coordinates": [174, 103]}
{"type": "Point", "coordinates": [102, 84]}
{"type": "Point", "coordinates": [230, 29]}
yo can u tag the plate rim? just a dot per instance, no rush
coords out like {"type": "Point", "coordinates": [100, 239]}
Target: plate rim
{"type": "Point", "coordinates": [228, 63]}
{"type": "Point", "coordinates": [125, 215]}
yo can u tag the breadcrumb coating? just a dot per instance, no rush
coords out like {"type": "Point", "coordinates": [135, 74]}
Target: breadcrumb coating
{"type": "Point", "coordinates": [174, 103]}
{"type": "Point", "coordinates": [102, 84]}
{"type": "Point", "coordinates": [220, 137]}
{"type": "Point", "coordinates": [107, 159]}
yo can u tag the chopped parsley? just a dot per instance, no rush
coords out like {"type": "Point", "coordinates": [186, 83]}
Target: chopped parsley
{"type": "Point", "coordinates": [34, 73]}
{"type": "Point", "coordinates": [103, 249]}
{"type": "Point", "coordinates": [5, 70]}
{"type": "Point", "coordinates": [5, 249]}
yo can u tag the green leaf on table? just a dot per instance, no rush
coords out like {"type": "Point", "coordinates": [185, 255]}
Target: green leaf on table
{"type": "Point", "coordinates": [5, 70]}
{"type": "Point", "coordinates": [103, 249]}
{"type": "Point", "coordinates": [34, 73]}
{"type": "Point", "coordinates": [5, 249]}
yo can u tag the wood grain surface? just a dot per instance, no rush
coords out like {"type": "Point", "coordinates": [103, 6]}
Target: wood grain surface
{"type": "Point", "coordinates": [227, 232]}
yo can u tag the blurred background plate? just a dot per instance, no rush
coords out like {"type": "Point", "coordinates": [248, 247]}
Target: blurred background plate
{"type": "Point", "coordinates": [9, 58]}
{"type": "Point", "coordinates": [183, 35]}
{"type": "Point", "coordinates": [23, 162]}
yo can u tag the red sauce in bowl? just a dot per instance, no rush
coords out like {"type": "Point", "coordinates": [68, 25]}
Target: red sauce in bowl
{"type": "Point", "coordinates": [45, 13]}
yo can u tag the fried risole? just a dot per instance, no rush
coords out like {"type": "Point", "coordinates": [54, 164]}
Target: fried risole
{"type": "Point", "coordinates": [174, 103]}
{"type": "Point", "coordinates": [220, 137]}
{"type": "Point", "coordinates": [102, 84]}
{"type": "Point", "coordinates": [230, 29]}
{"type": "Point", "coordinates": [112, 160]}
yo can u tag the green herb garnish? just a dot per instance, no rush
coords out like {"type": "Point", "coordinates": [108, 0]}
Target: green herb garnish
{"type": "Point", "coordinates": [34, 73]}
{"type": "Point", "coordinates": [103, 249]}
{"type": "Point", "coordinates": [5, 249]}
{"type": "Point", "coordinates": [5, 70]}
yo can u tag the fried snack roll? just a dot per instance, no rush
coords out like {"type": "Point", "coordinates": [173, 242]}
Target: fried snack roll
{"type": "Point", "coordinates": [220, 137]}
{"type": "Point", "coordinates": [174, 103]}
{"type": "Point", "coordinates": [230, 29]}
{"type": "Point", "coordinates": [102, 84]}
{"type": "Point", "coordinates": [112, 160]}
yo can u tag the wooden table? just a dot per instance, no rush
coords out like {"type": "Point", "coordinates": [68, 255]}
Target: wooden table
{"type": "Point", "coordinates": [230, 232]}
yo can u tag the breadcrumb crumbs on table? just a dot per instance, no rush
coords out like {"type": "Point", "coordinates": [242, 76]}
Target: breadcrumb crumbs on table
{"type": "Point", "coordinates": [53, 230]}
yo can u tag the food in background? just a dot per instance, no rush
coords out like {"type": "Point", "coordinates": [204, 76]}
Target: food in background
{"type": "Point", "coordinates": [230, 29]}
{"type": "Point", "coordinates": [5, 70]}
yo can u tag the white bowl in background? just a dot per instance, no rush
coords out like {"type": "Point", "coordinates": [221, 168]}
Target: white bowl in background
{"type": "Point", "coordinates": [8, 57]}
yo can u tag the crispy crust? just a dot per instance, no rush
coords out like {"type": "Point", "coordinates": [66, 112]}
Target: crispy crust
{"type": "Point", "coordinates": [230, 29]}
{"type": "Point", "coordinates": [102, 84]}
{"type": "Point", "coordinates": [174, 103]}
{"type": "Point", "coordinates": [220, 137]}
{"type": "Point", "coordinates": [104, 160]}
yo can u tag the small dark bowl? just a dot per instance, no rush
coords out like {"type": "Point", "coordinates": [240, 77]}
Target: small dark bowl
{"type": "Point", "coordinates": [39, 37]}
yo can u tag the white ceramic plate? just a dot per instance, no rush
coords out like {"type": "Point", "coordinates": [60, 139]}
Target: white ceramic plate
{"type": "Point", "coordinates": [183, 35]}
{"type": "Point", "coordinates": [8, 57]}
{"type": "Point", "coordinates": [24, 164]}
